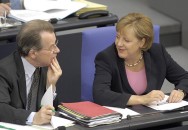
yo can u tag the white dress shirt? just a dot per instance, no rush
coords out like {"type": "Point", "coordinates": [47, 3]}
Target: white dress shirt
{"type": "Point", "coordinates": [29, 70]}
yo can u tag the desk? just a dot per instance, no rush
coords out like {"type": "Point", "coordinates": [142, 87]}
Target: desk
{"type": "Point", "coordinates": [135, 123]}
{"type": "Point", "coordinates": [140, 122]}
{"type": "Point", "coordinates": [178, 128]}
{"type": "Point", "coordinates": [67, 24]}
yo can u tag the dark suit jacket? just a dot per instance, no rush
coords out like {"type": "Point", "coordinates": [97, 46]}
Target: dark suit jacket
{"type": "Point", "coordinates": [13, 90]}
{"type": "Point", "coordinates": [111, 86]}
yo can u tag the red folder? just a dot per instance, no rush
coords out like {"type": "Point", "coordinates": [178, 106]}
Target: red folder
{"type": "Point", "coordinates": [87, 109]}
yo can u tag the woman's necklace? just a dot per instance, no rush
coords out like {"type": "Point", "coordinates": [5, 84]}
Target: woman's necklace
{"type": "Point", "coordinates": [139, 60]}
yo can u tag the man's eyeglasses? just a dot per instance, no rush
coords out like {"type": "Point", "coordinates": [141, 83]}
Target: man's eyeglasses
{"type": "Point", "coordinates": [52, 48]}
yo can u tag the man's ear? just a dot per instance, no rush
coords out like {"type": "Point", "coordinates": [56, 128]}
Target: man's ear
{"type": "Point", "coordinates": [32, 54]}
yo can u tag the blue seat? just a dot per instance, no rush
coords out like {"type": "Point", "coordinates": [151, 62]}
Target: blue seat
{"type": "Point", "coordinates": [6, 49]}
{"type": "Point", "coordinates": [156, 29]}
{"type": "Point", "coordinates": [93, 41]}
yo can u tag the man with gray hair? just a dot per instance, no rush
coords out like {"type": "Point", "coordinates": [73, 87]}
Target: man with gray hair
{"type": "Point", "coordinates": [27, 73]}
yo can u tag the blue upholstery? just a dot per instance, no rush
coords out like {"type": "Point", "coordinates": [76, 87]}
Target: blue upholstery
{"type": "Point", "coordinates": [16, 4]}
{"type": "Point", "coordinates": [156, 29]}
{"type": "Point", "coordinates": [93, 41]}
{"type": "Point", "coordinates": [6, 49]}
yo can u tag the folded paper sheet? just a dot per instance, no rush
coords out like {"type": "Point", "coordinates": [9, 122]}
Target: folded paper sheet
{"type": "Point", "coordinates": [47, 98]}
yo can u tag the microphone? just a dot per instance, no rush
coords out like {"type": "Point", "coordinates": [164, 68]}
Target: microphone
{"type": "Point", "coordinates": [53, 20]}
{"type": "Point", "coordinates": [60, 128]}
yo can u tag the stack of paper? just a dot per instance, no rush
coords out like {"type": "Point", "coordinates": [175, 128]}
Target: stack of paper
{"type": "Point", "coordinates": [89, 114]}
{"type": "Point", "coordinates": [46, 9]}
{"type": "Point", "coordinates": [90, 7]}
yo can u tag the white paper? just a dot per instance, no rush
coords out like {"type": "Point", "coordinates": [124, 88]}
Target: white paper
{"type": "Point", "coordinates": [44, 5]}
{"type": "Point", "coordinates": [163, 105]}
{"type": "Point", "coordinates": [42, 127]}
{"type": "Point", "coordinates": [28, 15]}
{"type": "Point", "coordinates": [17, 127]}
{"type": "Point", "coordinates": [58, 121]}
{"type": "Point", "coordinates": [46, 9]}
{"type": "Point", "coordinates": [27, 127]}
{"type": "Point", "coordinates": [54, 8]}
{"type": "Point", "coordinates": [47, 98]}
{"type": "Point", "coordinates": [124, 111]}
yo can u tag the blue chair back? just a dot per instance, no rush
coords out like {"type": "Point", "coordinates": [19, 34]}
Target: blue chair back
{"type": "Point", "coordinates": [94, 41]}
{"type": "Point", "coordinates": [156, 29]}
{"type": "Point", "coordinates": [6, 49]}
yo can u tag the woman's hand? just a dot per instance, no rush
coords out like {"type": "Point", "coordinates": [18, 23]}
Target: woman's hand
{"type": "Point", "coordinates": [153, 96]}
{"type": "Point", "coordinates": [176, 96]}
{"type": "Point", "coordinates": [54, 72]}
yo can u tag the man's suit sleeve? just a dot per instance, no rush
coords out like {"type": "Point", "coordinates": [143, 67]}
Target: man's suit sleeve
{"type": "Point", "coordinates": [9, 113]}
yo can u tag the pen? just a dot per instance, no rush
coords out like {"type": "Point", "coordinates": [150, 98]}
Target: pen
{"type": "Point", "coordinates": [162, 103]}
{"type": "Point", "coordinates": [53, 20]}
{"type": "Point", "coordinates": [53, 110]}
{"type": "Point", "coordinates": [60, 128]}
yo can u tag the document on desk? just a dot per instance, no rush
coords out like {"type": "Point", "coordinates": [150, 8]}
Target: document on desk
{"type": "Point", "coordinates": [91, 6]}
{"type": "Point", "coordinates": [124, 111]}
{"type": "Point", "coordinates": [28, 15]}
{"type": "Point", "coordinates": [164, 105]}
{"type": "Point", "coordinates": [59, 121]}
{"type": "Point", "coordinates": [9, 126]}
{"type": "Point", "coordinates": [55, 122]}
{"type": "Point", "coordinates": [46, 9]}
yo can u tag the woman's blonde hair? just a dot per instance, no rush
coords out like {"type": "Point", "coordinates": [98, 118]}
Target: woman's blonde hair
{"type": "Point", "coordinates": [142, 26]}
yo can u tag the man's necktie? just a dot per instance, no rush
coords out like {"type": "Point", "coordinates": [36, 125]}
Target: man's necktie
{"type": "Point", "coordinates": [32, 96]}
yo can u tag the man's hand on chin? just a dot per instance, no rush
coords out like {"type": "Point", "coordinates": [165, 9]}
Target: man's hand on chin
{"type": "Point", "coordinates": [54, 72]}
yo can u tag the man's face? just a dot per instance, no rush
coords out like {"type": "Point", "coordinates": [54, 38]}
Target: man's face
{"type": "Point", "coordinates": [49, 49]}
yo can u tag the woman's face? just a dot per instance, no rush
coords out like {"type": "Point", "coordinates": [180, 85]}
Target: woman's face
{"type": "Point", "coordinates": [127, 44]}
